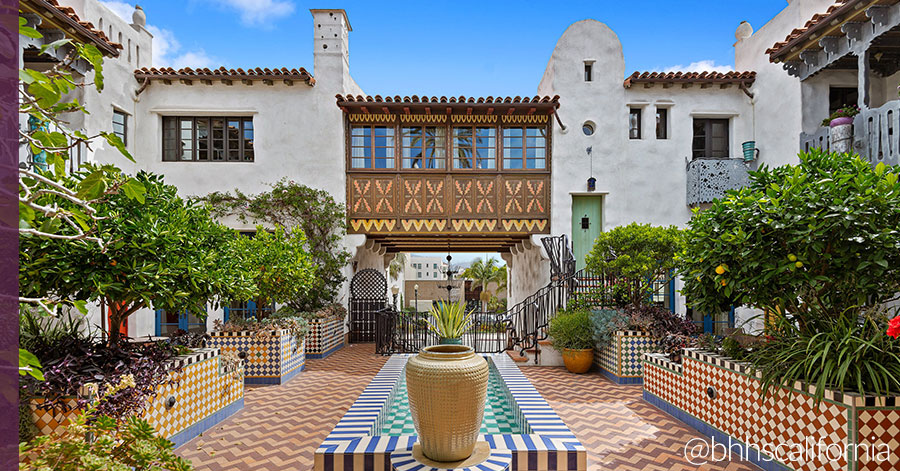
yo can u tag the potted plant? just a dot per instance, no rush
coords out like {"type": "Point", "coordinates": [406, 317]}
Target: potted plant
{"type": "Point", "coordinates": [449, 321]}
{"type": "Point", "coordinates": [573, 335]}
{"type": "Point", "coordinates": [841, 117]}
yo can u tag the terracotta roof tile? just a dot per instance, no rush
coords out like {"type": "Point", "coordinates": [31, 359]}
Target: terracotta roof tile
{"type": "Point", "coordinates": [223, 73]}
{"type": "Point", "coordinates": [67, 14]}
{"type": "Point", "coordinates": [415, 99]}
{"type": "Point", "coordinates": [818, 20]}
{"type": "Point", "coordinates": [733, 77]}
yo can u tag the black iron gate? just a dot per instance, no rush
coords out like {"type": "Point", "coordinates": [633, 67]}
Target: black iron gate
{"type": "Point", "coordinates": [368, 296]}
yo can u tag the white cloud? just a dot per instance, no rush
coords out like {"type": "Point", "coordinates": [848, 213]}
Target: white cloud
{"type": "Point", "coordinates": [258, 12]}
{"type": "Point", "coordinates": [166, 48]}
{"type": "Point", "coordinates": [700, 66]}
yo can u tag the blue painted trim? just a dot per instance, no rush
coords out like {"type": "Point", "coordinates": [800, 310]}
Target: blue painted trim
{"type": "Point", "coordinates": [319, 356]}
{"type": "Point", "coordinates": [206, 423]}
{"type": "Point", "coordinates": [621, 379]}
{"type": "Point", "coordinates": [672, 295]}
{"type": "Point", "coordinates": [759, 459]}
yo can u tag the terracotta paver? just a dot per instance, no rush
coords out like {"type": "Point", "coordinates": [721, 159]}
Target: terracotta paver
{"type": "Point", "coordinates": [618, 428]}
{"type": "Point", "coordinates": [281, 426]}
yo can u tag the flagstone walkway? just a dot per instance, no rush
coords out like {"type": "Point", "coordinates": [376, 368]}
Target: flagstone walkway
{"type": "Point", "coordinates": [281, 426]}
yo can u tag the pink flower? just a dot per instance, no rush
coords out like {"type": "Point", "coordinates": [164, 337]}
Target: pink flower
{"type": "Point", "coordinates": [894, 327]}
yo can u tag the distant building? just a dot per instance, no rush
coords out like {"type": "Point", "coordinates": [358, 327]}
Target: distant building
{"type": "Point", "coordinates": [424, 268]}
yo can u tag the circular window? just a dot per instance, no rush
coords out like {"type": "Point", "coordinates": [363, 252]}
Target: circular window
{"type": "Point", "coordinates": [587, 128]}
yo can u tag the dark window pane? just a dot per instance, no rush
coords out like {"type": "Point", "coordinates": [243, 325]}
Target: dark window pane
{"type": "Point", "coordinates": [839, 97]}
{"type": "Point", "coordinates": [662, 123]}
{"type": "Point", "coordinates": [634, 123]}
{"type": "Point", "coordinates": [202, 139]}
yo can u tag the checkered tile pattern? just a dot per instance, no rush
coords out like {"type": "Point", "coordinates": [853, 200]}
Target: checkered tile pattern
{"type": "Point", "coordinates": [201, 389]}
{"type": "Point", "coordinates": [325, 337]}
{"type": "Point", "coordinates": [879, 428]}
{"type": "Point", "coordinates": [546, 442]}
{"type": "Point", "coordinates": [270, 358]}
{"type": "Point", "coordinates": [496, 461]}
{"type": "Point", "coordinates": [50, 421]}
{"type": "Point", "coordinates": [738, 409]}
{"type": "Point", "coordinates": [499, 417]}
{"type": "Point", "coordinates": [623, 355]}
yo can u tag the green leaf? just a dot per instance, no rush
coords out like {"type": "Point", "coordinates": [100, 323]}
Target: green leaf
{"type": "Point", "coordinates": [30, 365]}
{"type": "Point", "coordinates": [30, 76]}
{"type": "Point", "coordinates": [92, 186]}
{"type": "Point", "coordinates": [134, 190]}
{"type": "Point", "coordinates": [28, 31]}
{"type": "Point", "coordinates": [81, 306]}
{"type": "Point", "coordinates": [116, 142]}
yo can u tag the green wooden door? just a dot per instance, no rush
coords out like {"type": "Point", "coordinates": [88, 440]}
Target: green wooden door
{"type": "Point", "coordinates": [586, 225]}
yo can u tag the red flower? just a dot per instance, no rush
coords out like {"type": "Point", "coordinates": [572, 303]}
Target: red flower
{"type": "Point", "coordinates": [894, 327]}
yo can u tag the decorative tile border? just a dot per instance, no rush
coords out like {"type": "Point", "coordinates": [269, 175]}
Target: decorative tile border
{"type": "Point", "coordinates": [620, 360]}
{"type": "Point", "coordinates": [271, 359]}
{"type": "Point", "coordinates": [325, 337]}
{"type": "Point", "coordinates": [497, 461]}
{"type": "Point", "coordinates": [204, 396]}
{"type": "Point", "coordinates": [721, 398]}
{"type": "Point", "coordinates": [549, 444]}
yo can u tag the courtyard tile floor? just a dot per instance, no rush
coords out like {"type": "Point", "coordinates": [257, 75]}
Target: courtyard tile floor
{"type": "Point", "coordinates": [281, 426]}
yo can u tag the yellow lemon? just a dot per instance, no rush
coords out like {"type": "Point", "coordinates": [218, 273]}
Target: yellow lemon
{"type": "Point", "coordinates": [799, 264]}
{"type": "Point", "coordinates": [720, 269]}
{"type": "Point", "coordinates": [792, 257]}
{"type": "Point", "coordinates": [724, 282]}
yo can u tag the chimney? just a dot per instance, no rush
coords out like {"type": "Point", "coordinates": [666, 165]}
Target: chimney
{"type": "Point", "coordinates": [331, 46]}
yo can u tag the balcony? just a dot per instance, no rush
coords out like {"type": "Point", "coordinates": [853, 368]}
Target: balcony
{"type": "Point", "coordinates": [876, 135]}
{"type": "Point", "coordinates": [709, 178]}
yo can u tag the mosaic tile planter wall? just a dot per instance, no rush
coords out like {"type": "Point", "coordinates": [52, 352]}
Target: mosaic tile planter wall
{"type": "Point", "coordinates": [204, 395]}
{"type": "Point", "coordinates": [722, 400]}
{"type": "Point", "coordinates": [621, 359]}
{"type": "Point", "coordinates": [270, 359]}
{"type": "Point", "coordinates": [325, 337]}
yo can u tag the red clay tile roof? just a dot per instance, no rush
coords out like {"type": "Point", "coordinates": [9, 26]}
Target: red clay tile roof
{"type": "Point", "coordinates": [841, 11]}
{"type": "Point", "coordinates": [222, 73]}
{"type": "Point", "coordinates": [736, 78]}
{"type": "Point", "coordinates": [415, 99]}
{"type": "Point", "coordinates": [66, 18]}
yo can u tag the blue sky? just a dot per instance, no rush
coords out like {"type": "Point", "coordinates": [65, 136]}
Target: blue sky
{"type": "Point", "coordinates": [476, 48]}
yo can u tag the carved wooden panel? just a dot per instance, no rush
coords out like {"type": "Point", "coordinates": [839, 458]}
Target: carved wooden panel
{"type": "Point", "coordinates": [474, 197]}
{"type": "Point", "coordinates": [524, 196]}
{"type": "Point", "coordinates": [371, 196]}
{"type": "Point", "coordinates": [448, 203]}
{"type": "Point", "coordinates": [423, 196]}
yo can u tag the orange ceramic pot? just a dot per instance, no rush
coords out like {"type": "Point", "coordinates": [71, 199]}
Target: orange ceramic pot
{"type": "Point", "coordinates": [578, 361]}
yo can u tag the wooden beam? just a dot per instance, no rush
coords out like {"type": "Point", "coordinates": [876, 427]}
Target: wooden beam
{"type": "Point", "coordinates": [206, 82]}
{"type": "Point", "coordinates": [186, 81]}
{"type": "Point", "coordinates": [167, 81]}
{"type": "Point", "coordinates": [510, 111]}
{"type": "Point", "coordinates": [386, 110]}
{"type": "Point", "coordinates": [288, 82]}
{"type": "Point", "coordinates": [227, 82]}
{"type": "Point", "coordinates": [490, 111]}
{"type": "Point", "coordinates": [449, 110]}
{"type": "Point", "coordinates": [667, 84]}
{"type": "Point", "coordinates": [268, 82]}
{"type": "Point", "coordinates": [405, 110]}
{"type": "Point", "coordinates": [428, 110]}
{"type": "Point", "coordinates": [687, 85]}
{"type": "Point", "coordinates": [469, 111]}
{"type": "Point", "coordinates": [531, 111]}
{"type": "Point", "coordinates": [364, 109]}
{"type": "Point", "coordinates": [247, 82]}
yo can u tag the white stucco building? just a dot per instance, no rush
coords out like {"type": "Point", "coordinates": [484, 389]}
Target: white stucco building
{"type": "Point", "coordinates": [655, 145]}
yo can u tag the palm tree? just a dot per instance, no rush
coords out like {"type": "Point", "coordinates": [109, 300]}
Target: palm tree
{"type": "Point", "coordinates": [485, 272]}
{"type": "Point", "coordinates": [396, 265]}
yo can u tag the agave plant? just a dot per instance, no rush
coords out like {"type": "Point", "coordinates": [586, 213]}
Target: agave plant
{"type": "Point", "coordinates": [449, 320]}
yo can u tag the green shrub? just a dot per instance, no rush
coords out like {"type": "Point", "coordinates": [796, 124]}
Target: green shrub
{"type": "Point", "coordinates": [733, 349]}
{"type": "Point", "coordinates": [639, 255]}
{"type": "Point", "coordinates": [820, 234]}
{"type": "Point", "coordinates": [852, 353]}
{"type": "Point", "coordinates": [605, 324]}
{"type": "Point", "coordinates": [572, 329]}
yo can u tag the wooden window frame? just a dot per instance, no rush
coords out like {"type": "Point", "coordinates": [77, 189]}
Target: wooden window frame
{"type": "Point", "coordinates": [640, 125]}
{"type": "Point", "coordinates": [246, 150]}
{"type": "Point", "coordinates": [395, 157]}
{"type": "Point", "coordinates": [525, 147]}
{"type": "Point", "coordinates": [124, 134]}
{"type": "Point", "coordinates": [424, 147]}
{"type": "Point", "coordinates": [473, 159]}
{"type": "Point", "coordinates": [707, 148]}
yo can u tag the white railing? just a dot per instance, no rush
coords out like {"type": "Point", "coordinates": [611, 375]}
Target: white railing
{"type": "Point", "coordinates": [876, 133]}
{"type": "Point", "coordinates": [820, 139]}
